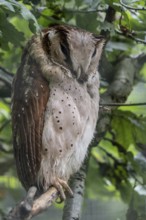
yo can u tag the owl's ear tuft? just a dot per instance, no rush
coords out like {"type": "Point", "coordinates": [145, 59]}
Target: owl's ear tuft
{"type": "Point", "coordinates": [100, 39]}
{"type": "Point", "coordinates": [46, 32]}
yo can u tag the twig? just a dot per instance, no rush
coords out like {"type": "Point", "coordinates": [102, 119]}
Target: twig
{"type": "Point", "coordinates": [28, 208]}
{"type": "Point", "coordinates": [83, 11]}
{"type": "Point", "coordinates": [123, 104]}
{"type": "Point", "coordinates": [132, 8]}
{"type": "Point", "coordinates": [129, 35]}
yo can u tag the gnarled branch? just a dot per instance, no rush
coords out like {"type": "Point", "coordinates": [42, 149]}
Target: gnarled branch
{"type": "Point", "coordinates": [30, 207]}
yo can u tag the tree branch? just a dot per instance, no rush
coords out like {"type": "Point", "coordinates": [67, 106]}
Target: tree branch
{"type": "Point", "coordinates": [44, 201]}
{"type": "Point", "coordinates": [83, 11]}
{"type": "Point", "coordinates": [123, 82]}
{"type": "Point", "coordinates": [110, 17]}
{"type": "Point", "coordinates": [132, 8]}
{"type": "Point", "coordinates": [123, 104]}
{"type": "Point", "coordinates": [117, 92]}
{"type": "Point", "coordinates": [30, 207]}
{"type": "Point", "coordinates": [129, 35]}
{"type": "Point", "coordinates": [73, 206]}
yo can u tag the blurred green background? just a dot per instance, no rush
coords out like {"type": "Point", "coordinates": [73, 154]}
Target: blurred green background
{"type": "Point", "coordinates": [115, 184]}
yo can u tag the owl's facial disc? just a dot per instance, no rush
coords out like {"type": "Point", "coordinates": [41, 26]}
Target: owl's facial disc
{"type": "Point", "coordinates": [76, 50]}
{"type": "Point", "coordinates": [85, 51]}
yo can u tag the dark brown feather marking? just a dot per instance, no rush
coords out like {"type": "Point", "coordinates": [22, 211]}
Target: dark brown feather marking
{"type": "Point", "coordinates": [30, 96]}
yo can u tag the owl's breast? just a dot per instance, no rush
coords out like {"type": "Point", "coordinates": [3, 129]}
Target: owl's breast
{"type": "Point", "coordinates": [70, 121]}
{"type": "Point", "coordinates": [64, 114]}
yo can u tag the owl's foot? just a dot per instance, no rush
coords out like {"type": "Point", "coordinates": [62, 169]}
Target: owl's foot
{"type": "Point", "coordinates": [62, 185]}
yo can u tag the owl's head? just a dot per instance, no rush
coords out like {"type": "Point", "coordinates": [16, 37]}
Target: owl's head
{"type": "Point", "coordinates": [75, 49]}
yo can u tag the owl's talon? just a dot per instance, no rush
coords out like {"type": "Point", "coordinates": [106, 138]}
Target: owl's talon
{"type": "Point", "coordinates": [59, 187]}
{"type": "Point", "coordinates": [66, 187]}
{"type": "Point", "coordinates": [62, 185]}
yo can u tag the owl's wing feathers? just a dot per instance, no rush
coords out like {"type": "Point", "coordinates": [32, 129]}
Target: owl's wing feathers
{"type": "Point", "coordinates": [30, 96]}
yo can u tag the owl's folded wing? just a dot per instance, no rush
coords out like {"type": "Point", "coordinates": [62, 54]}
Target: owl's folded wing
{"type": "Point", "coordinates": [29, 99]}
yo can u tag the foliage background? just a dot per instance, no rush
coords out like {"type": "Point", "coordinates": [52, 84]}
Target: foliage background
{"type": "Point", "coordinates": [117, 167]}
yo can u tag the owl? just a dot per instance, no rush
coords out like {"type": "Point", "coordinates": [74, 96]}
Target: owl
{"type": "Point", "coordinates": [55, 103]}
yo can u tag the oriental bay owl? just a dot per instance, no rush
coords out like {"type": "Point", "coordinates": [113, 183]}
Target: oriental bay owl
{"type": "Point", "coordinates": [55, 102]}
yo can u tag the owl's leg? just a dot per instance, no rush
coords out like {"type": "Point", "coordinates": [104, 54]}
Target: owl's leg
{"type": "Point", "coordinates": [62, 185]}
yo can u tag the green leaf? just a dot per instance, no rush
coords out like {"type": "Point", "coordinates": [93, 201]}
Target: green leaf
{"type": "Point", "coordinates": [125, 189]}
{"type": "Point", "coordinates": [106, 26]}
{"type": "Point", "coordinates": [111, 46]}
{"type": "Point", "coordinates": [26, 14]}
{"type": "Point", "coordinates": [87, 22]}
{"type": "Point", "coordinates": [15, 6]}
{"type": "Point", "coordinates": [137, 95]}
{"type": "Point", "coordinates": [7, 5]}
{"type": "Point", "coordinates": [9, 34]}
{"type": "Point", "coordinates": [129, 128]}
{"type": "Point", "coordinates": [10, 182]}
{"type": "Point", "coordinates": [4, 111]}
{"type": "Point", "coordinates": [98, 187]}
{"type": "Point", "coordinates": [79, 2]}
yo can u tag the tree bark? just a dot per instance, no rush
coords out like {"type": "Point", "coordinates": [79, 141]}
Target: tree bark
{"type": "Point", "coordinates": [73, 206]}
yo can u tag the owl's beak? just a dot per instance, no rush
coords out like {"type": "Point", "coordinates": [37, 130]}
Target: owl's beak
{"type": "Point", "coordinates": [79, 70]}
{"type": "Point", "coordinates": [81, 75]}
